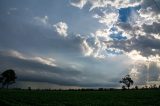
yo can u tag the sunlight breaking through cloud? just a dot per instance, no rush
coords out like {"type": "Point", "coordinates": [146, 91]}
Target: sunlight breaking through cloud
{"type": "Point", "coordinates": [81, 43]}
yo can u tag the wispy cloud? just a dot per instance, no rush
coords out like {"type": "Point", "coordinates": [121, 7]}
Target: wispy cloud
{"type": "Point", "coordinates": [79, 3]}
{"type": "Point", "coordinates": [42, 21]}
{"type": "Point", "coordinates": [105, 3]}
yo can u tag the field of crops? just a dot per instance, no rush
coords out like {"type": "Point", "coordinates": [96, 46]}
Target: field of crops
{"type": "Point", "coordinates": [80, 98]}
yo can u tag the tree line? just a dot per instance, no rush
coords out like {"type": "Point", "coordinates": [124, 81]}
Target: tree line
{"type": "Point", "coordinates": [8, 77]}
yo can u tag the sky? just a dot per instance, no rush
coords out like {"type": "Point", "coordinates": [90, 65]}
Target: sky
{"type": "Point", "coordinates": [63, 44]}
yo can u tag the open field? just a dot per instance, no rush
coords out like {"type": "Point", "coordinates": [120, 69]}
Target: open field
{"type": "Point", "coordinates": [80, 98]}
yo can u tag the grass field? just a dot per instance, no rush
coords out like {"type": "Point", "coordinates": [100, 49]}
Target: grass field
{"type": "Point", "coordinates": [80, 98]}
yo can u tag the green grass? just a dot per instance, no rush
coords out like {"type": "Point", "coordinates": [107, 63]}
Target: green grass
{"type": "Point", "coordinates": [80, 98]}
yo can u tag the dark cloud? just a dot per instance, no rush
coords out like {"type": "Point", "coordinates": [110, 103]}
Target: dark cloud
{"type": "Point", "coordinates": [125, 26]}
{"type": "Point", "coordinates": [139, 43]}
{"type": "Point", "coordinates": [152, 29]}
{"type": "Point", "coordinates": [153, 4]}
{"type": "Point", "coordinates": [29, 69]}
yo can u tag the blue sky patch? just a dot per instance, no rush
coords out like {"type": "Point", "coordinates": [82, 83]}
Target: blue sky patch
{"type": "Point", "coordinates": [124, 13]}
{"type": "Point", "coordinates": [118, 36]}
{"type": "Point", "coordinates": [113, 52]}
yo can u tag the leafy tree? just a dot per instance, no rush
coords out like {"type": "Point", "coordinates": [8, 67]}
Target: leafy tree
{"type": "Point", "coordinates": [7, 77]}
{"type": "Point", "coordinates": [127, 81]}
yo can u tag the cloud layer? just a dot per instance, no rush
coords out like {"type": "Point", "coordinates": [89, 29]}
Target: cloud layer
{"type": "Point", "coordinates": [47, 70]}
{"type": "Point", "coordinates": [80, 43]}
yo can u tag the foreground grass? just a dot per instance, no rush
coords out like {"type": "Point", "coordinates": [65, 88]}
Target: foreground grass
{"type": "Point", "coordinates": [80, 98]}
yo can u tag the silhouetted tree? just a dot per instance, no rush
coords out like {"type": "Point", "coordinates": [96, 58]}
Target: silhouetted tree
{"type": "Point", "coordinates": [154, 86]}
{"type": "Point", "coordinates": [146, 87]}
{"type": "Point", "coordinates": [1, 79]}
{"type": "Point", "coordinates": [127, 81]}
{"type": "Point", "coordinates": [8, 77]}
{"type": "Point", "coordinates": [29, 88]}
{"type": "Point", "coordinates": [136, 87]}
{"type": "Point", "coordinates": [123, 87]}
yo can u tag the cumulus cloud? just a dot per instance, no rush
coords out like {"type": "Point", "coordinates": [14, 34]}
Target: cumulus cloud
{"type": "Point", "coordinates": [144, 31]}
{"type": "Point", "coordinates": [138, 37]}
{"type": "Point", "coordinates": [61, 28]}
{"type": "Point", "coordinates": [93, 46]}
{"type": "Point", "coordinates": [107, 18]}
{"type": "Point", "coordinates": [140, 31]}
